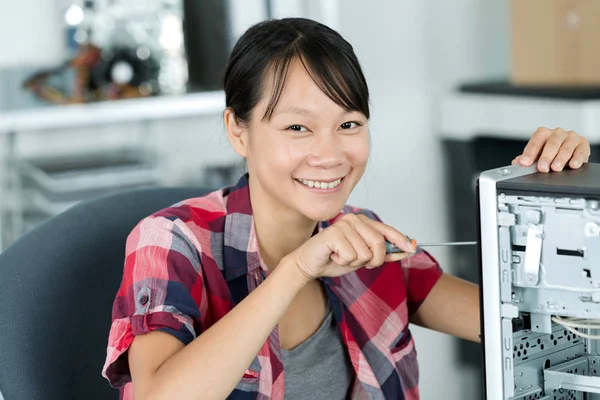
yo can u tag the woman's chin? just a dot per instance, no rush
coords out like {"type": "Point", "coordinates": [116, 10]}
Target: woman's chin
{"type": "Point", "coordinates": [323, 215]}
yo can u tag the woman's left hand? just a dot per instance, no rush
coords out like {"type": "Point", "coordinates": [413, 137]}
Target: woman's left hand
{"type": "Point", "coordinates": [554, 148]}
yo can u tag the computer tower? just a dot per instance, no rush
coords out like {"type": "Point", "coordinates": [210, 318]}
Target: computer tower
{"type": "Point", "coordinates": [539, 250]}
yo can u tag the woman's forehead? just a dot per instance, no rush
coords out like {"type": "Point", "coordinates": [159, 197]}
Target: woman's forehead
{"type": "Point", "coordinates": [297, 93]}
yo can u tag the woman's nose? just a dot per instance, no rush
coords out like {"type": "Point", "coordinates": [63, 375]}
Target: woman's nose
{"type": "Point", "coordinates": [327, 152]}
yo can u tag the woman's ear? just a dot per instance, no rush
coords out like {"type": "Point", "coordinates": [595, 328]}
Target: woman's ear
{"type": "Point", "coordinates": [236, 132]}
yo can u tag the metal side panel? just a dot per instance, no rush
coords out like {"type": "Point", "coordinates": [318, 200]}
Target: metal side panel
{"type": "Point", "coordinates": [580, 374]}
{"type": "Point", "coordinates": [495, 362]}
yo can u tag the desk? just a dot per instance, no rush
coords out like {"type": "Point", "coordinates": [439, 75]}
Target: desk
{"type": "Point", "coordinates": [114, 112]}
{"type": "Point", "coordinates": [466, 116]}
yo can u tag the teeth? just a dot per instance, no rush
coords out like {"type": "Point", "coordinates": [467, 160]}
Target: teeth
{"type": "Point", "coordinates": [320, 185]}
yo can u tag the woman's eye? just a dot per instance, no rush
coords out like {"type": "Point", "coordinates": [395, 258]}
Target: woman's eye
{"type": "Point", "coordinates": [297, 128]}
{"type": "Point", "coordinates": [349, 125]}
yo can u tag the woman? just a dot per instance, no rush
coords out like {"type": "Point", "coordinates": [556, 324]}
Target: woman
{"type": "Point", "coordinates": [321, 311]}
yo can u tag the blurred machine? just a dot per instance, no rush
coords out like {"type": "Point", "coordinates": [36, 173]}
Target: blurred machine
{"type": "Point", "coordinates": [116, 49]}
{"type": "Point", "coordinates": [540, 283]}
{"type": "Point", "coordinates": [137, 48]}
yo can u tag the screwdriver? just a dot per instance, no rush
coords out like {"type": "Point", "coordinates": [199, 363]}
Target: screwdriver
{"type": "Point", "coordinates": [392, 248]}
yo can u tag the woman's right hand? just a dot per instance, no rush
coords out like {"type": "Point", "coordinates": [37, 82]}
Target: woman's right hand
{"type": "Point", "coordinates": [352, 242]}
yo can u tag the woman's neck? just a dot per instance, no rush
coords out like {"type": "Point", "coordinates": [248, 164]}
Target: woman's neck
{"type": "Point", "coordinates": [279, 232]}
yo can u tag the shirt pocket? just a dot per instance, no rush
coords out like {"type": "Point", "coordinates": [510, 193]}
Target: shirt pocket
{"type": "Point", "coordinates": [248, 383]}
{"type": "Point", "coordinates": [251, 374]}
{"type": "Point", "coordinates": [402, 341]}
{"type": "Point", "coordinates": [404, 356]}
{"type": "Point", "coordinates": [251, 377]}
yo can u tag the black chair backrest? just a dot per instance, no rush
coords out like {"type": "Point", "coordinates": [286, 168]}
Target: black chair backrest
{"type": "Point", "coordinates": [57, 286]}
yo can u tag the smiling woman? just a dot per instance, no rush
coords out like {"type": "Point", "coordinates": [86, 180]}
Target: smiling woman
{"type": "Point", "coordinates": [306, 156]}
{"type": "Point", "coordinates": [297, 111]}
{"type": "Point", "coordinates": [275, 287]}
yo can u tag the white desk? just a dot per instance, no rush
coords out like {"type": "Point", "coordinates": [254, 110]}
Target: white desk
{"type": "Point", "coordinates": [466, 116]}
{"type": "Point", "coordinates": [113, 112]}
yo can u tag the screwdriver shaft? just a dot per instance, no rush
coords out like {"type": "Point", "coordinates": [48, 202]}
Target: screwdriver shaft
{"type": "Point", "coordinates": [448, 244]}
{"type": "Point", "coordinates": [390, 248]}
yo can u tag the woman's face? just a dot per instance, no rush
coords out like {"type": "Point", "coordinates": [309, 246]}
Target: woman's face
{"type": "Point", "coordinates": [312, 152]}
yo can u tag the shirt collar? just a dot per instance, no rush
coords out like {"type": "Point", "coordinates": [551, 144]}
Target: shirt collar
{"type": "Point", "coordinates": [240, 253]}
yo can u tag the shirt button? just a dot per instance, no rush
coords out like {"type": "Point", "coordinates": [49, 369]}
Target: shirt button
{"type": "Point", "coordinates": [144, 299]}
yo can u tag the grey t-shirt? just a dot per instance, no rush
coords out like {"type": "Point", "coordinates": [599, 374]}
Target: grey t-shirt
{"type": "Point", "coordinates": [319, 368]}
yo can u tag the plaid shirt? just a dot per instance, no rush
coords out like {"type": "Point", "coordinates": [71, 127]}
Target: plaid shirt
{"type": "Point", "coordinates": [187, 266]}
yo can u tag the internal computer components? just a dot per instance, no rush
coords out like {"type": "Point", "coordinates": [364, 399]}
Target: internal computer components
{"type": "Point", "coordinates": [540, 266]}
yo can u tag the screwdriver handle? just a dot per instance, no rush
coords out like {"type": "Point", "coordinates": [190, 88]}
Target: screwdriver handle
{"type": "Point", "coordinates": [391, 248]}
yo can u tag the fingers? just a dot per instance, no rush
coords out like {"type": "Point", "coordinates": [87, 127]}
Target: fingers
{"type": "Point", "coordinates": [375, 241]}
{"type": "Point", "coordinates": [361, 249]}
{"type": "Point", "coordinates": [555, 149]}
{"type": "Point", "coordinates": [343, 250]}
{"type": "Point", "coordinates": [386, 232]}
{"type": "Point", "coordinates": [368, 246]}
{"type": "Point", "coordinates": [566, 151]}
{"type": "Point", "coordinates": [391, 234]}
{"type": "Point", "coordinates": [581, 155]}
{"type": "Point", "coordinates": [534, 147]}
{"type": "Point", "coordinates": [551, 149]}
{"type": "Point", "coordinates": [366, 238]}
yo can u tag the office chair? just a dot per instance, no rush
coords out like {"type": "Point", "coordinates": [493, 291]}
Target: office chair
{"type": "Point", "coordinates": [57, 286]}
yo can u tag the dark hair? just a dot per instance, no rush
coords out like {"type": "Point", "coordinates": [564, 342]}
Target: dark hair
{"type": "Point", "coordinates": [272, 45]}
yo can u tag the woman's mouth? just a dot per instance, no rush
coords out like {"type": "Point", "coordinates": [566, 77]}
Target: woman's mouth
{"type": "Point", "coordinates": [323, 185]}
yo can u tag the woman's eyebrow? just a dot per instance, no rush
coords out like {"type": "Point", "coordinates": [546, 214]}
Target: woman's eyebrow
{"type": "Point", "coordinates": [293, 110]}
{"type": "Point", "coordinates": [303, 111]}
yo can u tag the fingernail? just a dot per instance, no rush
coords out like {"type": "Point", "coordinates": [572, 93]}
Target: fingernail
{"type": "Point", "coordinates": [525, 160]}
{"type": "Point", "coordinates": [557, 164]}
{"type": "Point", "coordinates": [411, 245]}
{"type": "Point", "coordinates": [543, 165]}
{"type": "Point", "coordinates": [575, 163]}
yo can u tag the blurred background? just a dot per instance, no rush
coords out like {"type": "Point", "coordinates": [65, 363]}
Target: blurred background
{"type": "Point", "coordinates": [99, 96]}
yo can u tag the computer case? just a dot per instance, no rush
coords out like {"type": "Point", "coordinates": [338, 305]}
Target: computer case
{"type": "Point", "coordinates": [539, 250]}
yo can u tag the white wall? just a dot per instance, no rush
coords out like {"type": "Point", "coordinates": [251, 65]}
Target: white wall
{"type": "Point", "coordinates": [30, 33]}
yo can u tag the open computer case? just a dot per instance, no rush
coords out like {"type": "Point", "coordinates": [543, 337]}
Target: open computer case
{"type": "Point", "coordinates": [539, 249]}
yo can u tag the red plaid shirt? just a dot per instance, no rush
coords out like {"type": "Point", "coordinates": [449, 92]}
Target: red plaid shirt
{"type": "Point", "coordinates": [188, 265]}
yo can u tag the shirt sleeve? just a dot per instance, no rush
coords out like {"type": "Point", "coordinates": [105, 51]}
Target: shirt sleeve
{"type": "Point", "coordinates": [421, 271]}
{"type": "Point", "coordinates": [161, 289]}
